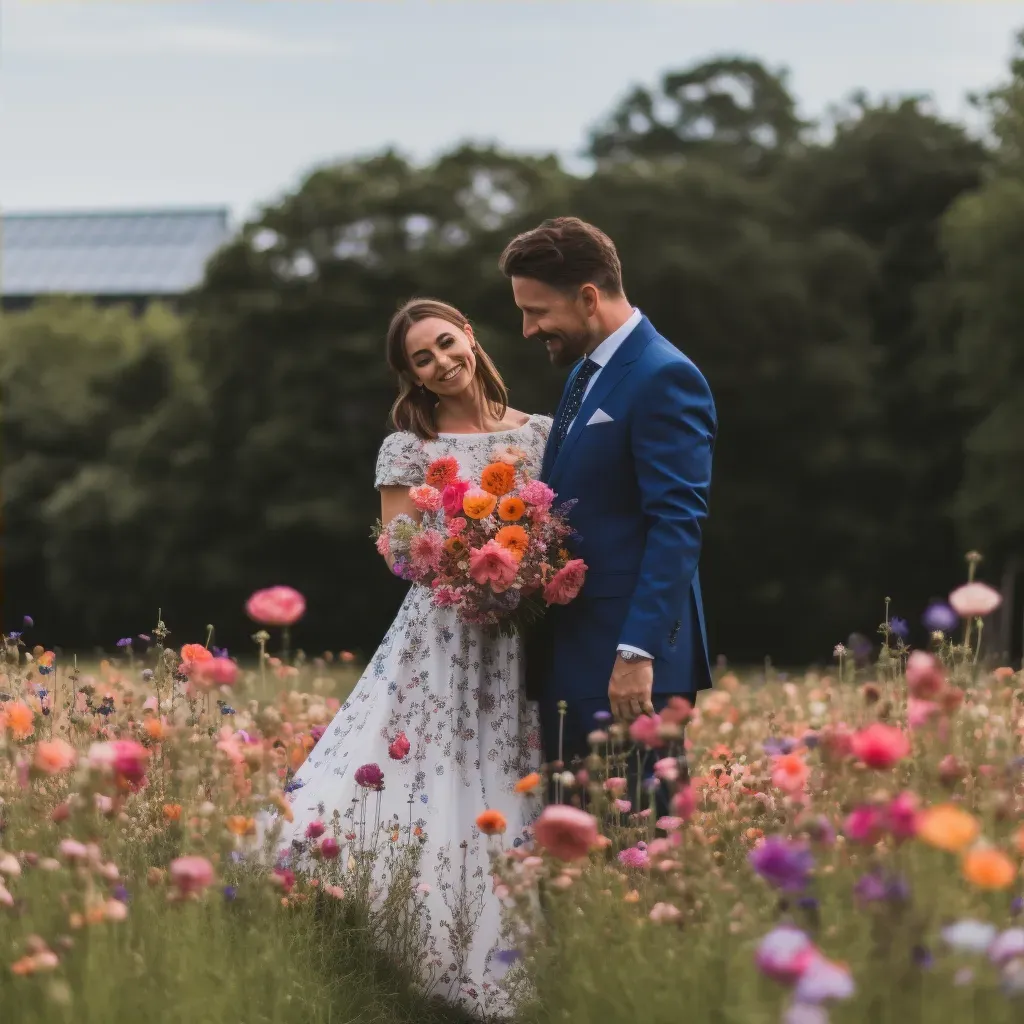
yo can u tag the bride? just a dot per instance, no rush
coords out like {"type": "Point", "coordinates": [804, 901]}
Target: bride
{"type": "Point", "coordinates": [440, 710]}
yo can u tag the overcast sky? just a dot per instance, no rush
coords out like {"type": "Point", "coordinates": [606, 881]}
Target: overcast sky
{"type": "Point", "coordinates": [155, 104]}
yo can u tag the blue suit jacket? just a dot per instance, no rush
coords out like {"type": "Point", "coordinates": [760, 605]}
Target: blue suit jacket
{"type": "Point", "coordinates": [642, 482]}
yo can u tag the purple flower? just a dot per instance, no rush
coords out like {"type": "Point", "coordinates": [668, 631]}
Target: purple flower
{"type": "Point", "coordinates": [508, 956]}
{"type": "Point", "coordinates": [28, 622]}
{"type": "Point", "coordinates": [939, 616]}
{"type": "Point", "coordinates": [898, 627]}
{"type": "Point", "coordinates": [121, 894]}
{"type": "Point", "coordinates": [369, 776]}
{"type": "Point", "coordinates": [1017, 905]}
{"type": "Point", "coordinates": [823, 980]}
{"type": "Point", "coordinates": [230, 892]}
{"type": "Point", "coordinates": [922, 957]}
{"type": "Point", "coordinates": [125, 641]}
{"type": "Point", "coordinates": [1007, 946]}
{"type": "Point", "coordinates": [602, 716]}
{"type": "Point", "coordinates": [776, 746]}
{"type": "Point", "coordinates": [784, 863]}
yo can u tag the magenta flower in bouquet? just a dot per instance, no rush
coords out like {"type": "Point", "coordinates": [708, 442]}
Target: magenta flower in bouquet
{"type": "Point", "coordinates": [493, 549]}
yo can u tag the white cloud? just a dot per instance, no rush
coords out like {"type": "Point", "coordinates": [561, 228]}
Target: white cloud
{"type": "Point", "coordinates": [100, 30]}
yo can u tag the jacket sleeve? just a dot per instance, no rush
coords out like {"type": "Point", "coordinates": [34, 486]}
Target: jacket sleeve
{"type": "Point", "coordinates": [673, 436]}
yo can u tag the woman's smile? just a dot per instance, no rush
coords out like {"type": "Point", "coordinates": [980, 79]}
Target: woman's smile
{"type": "Point", "coordinates": [451, 374]}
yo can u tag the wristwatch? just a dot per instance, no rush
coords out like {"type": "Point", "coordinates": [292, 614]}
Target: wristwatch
{"type": "Point", "coordinates": [632, 656]}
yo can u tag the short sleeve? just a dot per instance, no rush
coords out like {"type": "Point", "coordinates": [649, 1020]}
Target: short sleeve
{"type": "Point", "coordinates": [400, 461]}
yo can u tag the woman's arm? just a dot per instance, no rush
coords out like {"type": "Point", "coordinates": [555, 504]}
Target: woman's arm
{"type": "Point", "coordinates": [395, 501]}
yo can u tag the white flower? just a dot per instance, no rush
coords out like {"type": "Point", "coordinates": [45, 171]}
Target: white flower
{"type": "Point", "coordinates": [969, 935]}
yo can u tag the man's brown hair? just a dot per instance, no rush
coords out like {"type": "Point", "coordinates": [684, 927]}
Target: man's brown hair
{"type": "Point", "coordinates": [564, 253]}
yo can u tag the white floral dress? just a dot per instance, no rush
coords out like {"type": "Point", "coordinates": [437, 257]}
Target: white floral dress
{"type": "Point", "coordinates": [457, 695]}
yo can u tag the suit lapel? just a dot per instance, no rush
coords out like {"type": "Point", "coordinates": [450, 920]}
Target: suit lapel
{"type": "Point", "coordinates": [606, 381]}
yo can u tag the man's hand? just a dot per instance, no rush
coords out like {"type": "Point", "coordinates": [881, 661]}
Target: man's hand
{"type": "Point", "coordinates": [629, 690]}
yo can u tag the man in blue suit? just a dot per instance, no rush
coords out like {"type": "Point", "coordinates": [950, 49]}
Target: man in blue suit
{"type": "Point", "coordinates": [632, 441]}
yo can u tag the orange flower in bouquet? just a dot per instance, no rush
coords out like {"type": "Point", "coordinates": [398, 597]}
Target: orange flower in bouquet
{"type": "Point", "coordinates": [494, 549]}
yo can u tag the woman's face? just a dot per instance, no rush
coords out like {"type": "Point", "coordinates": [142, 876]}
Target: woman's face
{"type": "Point", "coordinates": [441, 356]}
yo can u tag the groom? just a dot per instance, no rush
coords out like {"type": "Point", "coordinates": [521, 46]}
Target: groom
{"type": "Point", "coordinates": [632, 441]}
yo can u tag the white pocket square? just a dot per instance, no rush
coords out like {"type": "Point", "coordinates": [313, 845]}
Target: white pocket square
{"type": "Point", "coordinates": [599, 417]}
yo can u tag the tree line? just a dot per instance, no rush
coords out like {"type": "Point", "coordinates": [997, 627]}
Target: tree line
{"type": "Point", "coordinates": [850, 289]}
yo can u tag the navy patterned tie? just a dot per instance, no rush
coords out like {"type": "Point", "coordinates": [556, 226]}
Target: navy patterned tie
{"type": "Point", "coordinates": [575, 399]}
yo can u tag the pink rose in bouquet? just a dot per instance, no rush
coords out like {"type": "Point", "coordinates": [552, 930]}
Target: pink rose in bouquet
{"type": "Point", "coordinates": [566, 584]}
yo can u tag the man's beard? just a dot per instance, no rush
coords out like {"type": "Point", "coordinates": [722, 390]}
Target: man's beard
{"type": "Point", "coordinates": [566, 349]}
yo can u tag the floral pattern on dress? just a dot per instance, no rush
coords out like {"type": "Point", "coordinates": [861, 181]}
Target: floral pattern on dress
{"type": "Point", "coordinates": [457, 694]}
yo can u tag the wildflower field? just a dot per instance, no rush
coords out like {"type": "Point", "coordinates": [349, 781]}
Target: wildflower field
{"type": "Point", "coordinates": [840, 846]}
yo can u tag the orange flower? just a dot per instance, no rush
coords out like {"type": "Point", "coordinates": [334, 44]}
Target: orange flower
{"type": "Point", "coordinates": [790, 773]}
{"type": "Point", "coordinates": [172, 812]}
{"type": "Point", "coordinates": [195, 652]}
{"type": "Point", "coordinates": [498, 478]}
{"type": "Point", "coordinates": [442, 472]}
{"type": "Point", "coordinates": [454, 547]}
{"type": "Point", "coordinates": [478, 504]}
{"type": "Point", "coordinates": [989, 868]}
{"type": "Point", "coordinates": [491, 823]}
{"type": "Point", "coordinates": [240, 825]}
{"type": "Point", "coordinates": [947, 827]}
{"type": "Point", "coordinates": [514, 539]}
{"type": "Point", "coordinates": [512, 509]}
{"type": "Point", "coordinates": [154, 728]}
{"type": "Point", "coordinates": [528, 783]}
{"type": "Point", "coordinates": [20, 720]}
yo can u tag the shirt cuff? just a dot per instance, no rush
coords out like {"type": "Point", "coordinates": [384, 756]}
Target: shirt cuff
{"type": "Point", "coordinates": [636, 650]}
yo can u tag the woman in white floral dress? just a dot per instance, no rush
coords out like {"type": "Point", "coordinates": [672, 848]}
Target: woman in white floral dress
{"type": "Point", "coordinates": [452, 691]}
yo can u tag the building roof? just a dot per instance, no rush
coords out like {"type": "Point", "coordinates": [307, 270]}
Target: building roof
{"type": "Point", "coordinates": [115, 253]}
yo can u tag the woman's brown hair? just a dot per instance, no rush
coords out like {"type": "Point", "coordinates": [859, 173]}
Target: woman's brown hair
{"type": "Point", "coordinates": [414, 407]}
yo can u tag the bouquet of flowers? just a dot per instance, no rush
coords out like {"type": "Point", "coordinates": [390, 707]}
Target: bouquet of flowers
{"type": "Point", "coordinates": [492, 549]}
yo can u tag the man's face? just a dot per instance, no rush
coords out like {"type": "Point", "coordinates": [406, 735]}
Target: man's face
{"type": "Point", "coordinates": [558, 319]}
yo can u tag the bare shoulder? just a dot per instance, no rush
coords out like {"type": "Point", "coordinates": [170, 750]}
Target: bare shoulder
{"type": "Point", "coordinates": [517, 418]}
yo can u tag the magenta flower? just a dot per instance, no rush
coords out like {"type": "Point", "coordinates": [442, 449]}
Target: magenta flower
{"type": "Point", "coordinates": [369, 776]}
{"type": "Point", "coordinates": [784, 954]}
{"type": "Point", "coordinates": [634, 857]}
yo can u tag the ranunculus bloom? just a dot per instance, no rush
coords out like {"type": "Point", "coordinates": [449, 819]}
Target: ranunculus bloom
{"type": "Point", "coordinates": [215, 672]}
{"type": "Point", "coordinates": [537, 494]}
{"type": "Point", "coordinates": [989, 868]}
{"type": "Point", "coordinates": [191, 874]}
{"type": "Point", "coordinates": [667, 769]}
{"type": "Point", "coordinates": [925, 678]}
{"type": "Point", "coordinates": [478, 504]}
{"type": "Point", "coordinates": [684, 802]}
{"type": "Point", "coordinates": [20, 719]}
{"type": "Point", "coordinates": [53, 756]}
{"type": "Point", "coordinates": [790, 773]}
{"type": "Point", "coordinates": [399, 747]}
{"type": "Point", "coordinates": [426, 498]}
{"type": "Point", "coordinates": [491, 822]}
{"type": "Point", "coordinates": [443, 471]}
{"type": "Point", "coordinates": [567, 833]}
{"type": "Point", "coordinates": [973, 599]}
{"type": "Point", "coordinates": [276, 606]}
{"type": "Point", "coordinates": [919, 712]}
{"type": "Point", "coordinates": [492, 564]}
{"type": "Point", "coordinates": [315, 829]}
{"type": "Point", "coordinates": [947, 827]}
{"type": "Point", "coordinates": [124, 759]}
{"type": "Point", "coordinates": [880, 746]}
{"type": "Point", "coordinates": [426, 549]}
{"type": "Point", "coordinates": [452, 497]}
{"type": "Point", "coordinates": [498, 478]}
{"type": "Point", "coordinates": [634, 857]}
{"type": "Point", "coordinates": [566, 584]}
{"type": "Point", "coordinates": [864, 824]}
{"type": "Point", "coordinates": [644, 730]}
{"type": "Point", "coordinates": [528, 783]}
{"type": "Point", "coordinates": [329, 848]}
{"type": "Point", "coordinates": [514, 539]}
{"type": "Point", "coordinates": [901, 816]}
{"type": "Point", "coordinates": [511, 509]}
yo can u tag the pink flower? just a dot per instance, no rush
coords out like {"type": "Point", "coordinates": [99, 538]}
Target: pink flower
{"type": "Point", "coordinates": [426, 549]}
{"type": "Point", "coordinates": [216, 672]}
{"type": "Point", "coordinates": [537, 494]}
{"type": "Point", "coordinates": [369, 776]}
{"type": "Point", "coordinates": [329, 848]}
{"type": "Point", "coordinates": [684, 803]}
{"type": "Point", "coordinates": [662, 912]}
{"type": "Point", "coordinates": [492, 564]}
{"type": "Point", "coordinates": [919, 711]}
{"type": "Point", "coordinates": [124, 759]}
{"type": "Point", "coordinates": [447, 597]}
{"type": "Point", "coordinates": [455, 526]}
{"type": "Point", "coordinates": [191, 874]}
{"type": "Point", "coordinates": [426, 498]}
{"type": "Point", "coordinates": [276, 606]}
{"type": "Point", "coordinates": [667, 769]}
{"type": "Point", "coordinates": [974, 599]}
{"type": "Point", "coordinates": [864, 824]}
{"type": "Point", "coordinates": [668, 823]}
{"type": "Point", "coordinates": [623, 806]}
{"type": "Point", "coordinates": [452, 495]}
{"type": "Point", "coordinates": [566, 583]}
{"type": "Point", "coordinates": [53, 756]}
{"type": "Point", "coordinates": [901, 816]}
{"type": "Point", "coordinates": [616, 784]}
{"type": "Point", "coordinates": [315, 829]}
{"type": "Point", "coordinates": [784, 954]}
{"type": "Point", "coordinates": [644, 730]}
{"type": "Point", "coordinates": [567, 833]}
{"type": "Point", "coordinates": [880, 746]}
{"type": "Point", "coordinates": [384, 545]}
{"type": "Point", "coordinates": [634, 857]}
{"type": "Point", "coordinates": [925, 677]}
{"type": "Point", "coordinates": [399, 747]}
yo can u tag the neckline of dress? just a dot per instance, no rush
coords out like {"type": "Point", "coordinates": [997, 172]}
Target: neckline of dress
{"type": "Point", "coordinates": [489, 433]}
